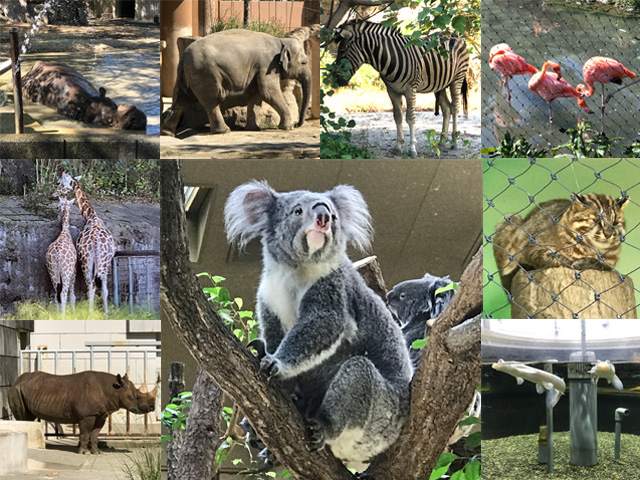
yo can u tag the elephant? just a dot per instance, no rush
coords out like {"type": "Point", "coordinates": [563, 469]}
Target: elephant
{"type": "Point", "coordinates": [64, 89]}
{"type": "Point", "coordinates": [243, 66]}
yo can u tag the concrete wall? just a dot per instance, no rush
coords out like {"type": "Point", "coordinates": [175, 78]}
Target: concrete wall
{"type": "Point", "coordinates": [49, 336]}
{"type": "Point", "coordinates": [10, 344]}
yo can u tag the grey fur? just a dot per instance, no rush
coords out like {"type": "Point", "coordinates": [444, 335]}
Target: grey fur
{"type": "Point", "coordinates": [328, 338]}
{"type": "Point", "coordinates": [415, 302]}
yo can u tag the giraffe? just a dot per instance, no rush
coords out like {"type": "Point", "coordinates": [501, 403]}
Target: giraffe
{"type": "Point", "coordinates": [95, 243]}
{"type": "Point", "coordinates": [61, 260]}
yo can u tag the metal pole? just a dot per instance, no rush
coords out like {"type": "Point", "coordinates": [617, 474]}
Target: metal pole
{"type": "Point", "coordinates": [549, 368]}
{"type": "Point", "coordinates": [130, 284]}
{"type": "Point", "coordinates": [73, 362]}
{"type": "Point", "coordinates": [55, 362]}
{"type": "Point", "coordinates": [17, 80]}
{"type": "Point", "coordinates": [116, 296]}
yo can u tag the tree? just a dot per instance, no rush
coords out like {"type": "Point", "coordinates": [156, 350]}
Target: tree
{"type": "Point", "coordinates": [443, 386]}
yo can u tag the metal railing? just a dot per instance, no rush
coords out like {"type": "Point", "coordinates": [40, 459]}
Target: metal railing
{"type": "Point", "coordinates": [146, 285]}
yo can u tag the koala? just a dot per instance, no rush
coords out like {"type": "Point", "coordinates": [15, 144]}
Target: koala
{"type": "Point", "coordinates": [327, 337]}
{"type": "Point", "coordinates": [414, 302]}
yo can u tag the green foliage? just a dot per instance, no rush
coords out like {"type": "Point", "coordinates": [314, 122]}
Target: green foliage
{"type": "Point", "coordinates": [272, 28]}
{"type": "Point", "coordinates": [438, 18]}
{"type": "Point", "coordinates": [442, 465]}
{"type": "Point", "coordinates": [7, 187]}
{"type": "Point", "coordinates": [518, 149]}
{"type": "Point", "coordinates": [42, 311]}
{"type": "Point", "coordinates": [446, 288]}
{"type": "Point", "coordinates": [174, 415]}
{"type": "Point", "coordinates": [586, 142]}
{"type": "Point", "coordinates": [366, 78]}
{"type": "Point", "coordinates": [145, 464]}
{"type": "Point", "coordinates": [433, 142]}
{"type": "Point", "coordinates": [335, 138]}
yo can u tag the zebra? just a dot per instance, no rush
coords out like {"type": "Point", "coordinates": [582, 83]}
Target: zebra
{"type": "Point", "coordinates": [406, 71]}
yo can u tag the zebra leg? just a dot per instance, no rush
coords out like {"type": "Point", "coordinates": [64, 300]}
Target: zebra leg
{"type": "Point", "coordinates": [396, 101]}
{"type": "Point", "coordinates": [455, 105]}
{"type": "Point", "coordinates": [411, 120]}
{"type": "Point", "coordinates": [445, 104]}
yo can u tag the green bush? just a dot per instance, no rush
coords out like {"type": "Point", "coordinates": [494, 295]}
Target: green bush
{"type": "Point", "coordinates": [271, 28]}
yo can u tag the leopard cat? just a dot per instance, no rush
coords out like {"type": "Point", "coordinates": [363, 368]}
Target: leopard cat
{"type": "Point", "coordinates": [583, 233]}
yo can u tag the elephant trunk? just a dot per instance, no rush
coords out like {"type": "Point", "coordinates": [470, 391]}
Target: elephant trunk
{"type": "Point", "coordinates": [305, 81]}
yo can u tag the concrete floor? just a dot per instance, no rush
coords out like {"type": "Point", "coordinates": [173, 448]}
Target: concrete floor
{"type": "Point", "coordinates": [60, 460]}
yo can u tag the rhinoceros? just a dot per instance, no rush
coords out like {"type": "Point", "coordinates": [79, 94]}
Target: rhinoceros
{"type": "Point", "coordinates": [85, 398]}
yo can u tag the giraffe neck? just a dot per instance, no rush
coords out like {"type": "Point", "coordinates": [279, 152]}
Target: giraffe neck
{"type": "Point", "coordinates": [87, 211]}
{"type": "Point", "coordinates": [65, 218]}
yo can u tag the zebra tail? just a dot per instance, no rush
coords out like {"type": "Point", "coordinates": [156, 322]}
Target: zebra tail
{"type": "Point", "coordinates": [465, 101]}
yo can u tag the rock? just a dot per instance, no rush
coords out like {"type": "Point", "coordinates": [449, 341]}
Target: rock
{"type": "Point", "coordinates": [13, 10]}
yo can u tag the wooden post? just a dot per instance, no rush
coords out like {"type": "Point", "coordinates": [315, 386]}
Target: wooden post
{"type": "Point", "coordinates": [17, 80]}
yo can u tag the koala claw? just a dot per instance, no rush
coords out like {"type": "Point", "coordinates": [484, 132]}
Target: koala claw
{"type": "Point", "coordinates": [315, 436]}
{"type": "Point", "coordinates": [270, 366]}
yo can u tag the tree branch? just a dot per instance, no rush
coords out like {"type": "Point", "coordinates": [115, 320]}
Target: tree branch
{"type": "Point", "coordinates": [346, 5]}
{"type": "Point", "coordinates": [219, 352]}
{"type": "Point", "coordinates": [442, 387]}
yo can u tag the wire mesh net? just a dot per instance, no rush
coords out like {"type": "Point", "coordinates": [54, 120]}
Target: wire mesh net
{"type": "Point", "coordinates": [138, 279]}
{"type": "Point", "coordinates": [568, 35]}
{"type": "Point", "coordinates": [515, 286]}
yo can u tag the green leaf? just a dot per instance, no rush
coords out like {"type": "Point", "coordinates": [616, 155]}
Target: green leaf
{"type": "Point", "coordinates": [229, 410]}
{"type": "Point", "coordinates": [459, 475]}
{"type": "Point", "coordinates": [473, 440]}
{"type": "Point", "coordinates": [217, 279]}
{"type": "Point", "coordinates": [271, 474]}
{"type": "Point", "coordinates": [245, 314]}
{"type": "Point", "coordinates": [237, 461]}
{"type": "Point", "coordinates": [442, 465]}
{"type": "Point", "coordinates": [418, 344]}
{"type": "Point", "coordinates": [446, 288]}
{"type": "Point", "coordinates": [459, 23]}
{"type": "Point", "coordinates": [469, 421]}
{"type": "Point", "coordinates": [472, 470]}
{"type": "Point", "coordinates": [285, 474]}
{"type": "Point", "coordinates": [238, 302]}
{"type": "Point", "coordinates": [165, 438]}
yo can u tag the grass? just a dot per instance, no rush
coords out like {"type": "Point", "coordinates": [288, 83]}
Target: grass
{"type": "Point", "coordinates": [42, 311]}
{"type": "Point", "coordinates": [266, 27]}
{"type": "Point", "coordinates": [144, 464]}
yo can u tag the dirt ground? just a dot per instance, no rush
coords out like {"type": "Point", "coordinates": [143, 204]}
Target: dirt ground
{"type": "Point", "coordinates": [377, 132]}
{"type": "Point", "coordinates": [303, 142]}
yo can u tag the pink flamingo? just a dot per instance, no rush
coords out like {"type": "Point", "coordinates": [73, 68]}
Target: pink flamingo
{"type": "Point", "coordinates": [551, 86]}
{"type": "Point", "coordinates": [604, 70]}
{"type": "Point", "coordinates": [503, 60]}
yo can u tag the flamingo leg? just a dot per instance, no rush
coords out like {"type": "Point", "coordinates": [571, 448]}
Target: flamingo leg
{"type": "Point", "coordinates": [550, 115]}
{"type": "Point", "coordinates": [506, 82]}
{"type": "Point", "coordinates": [621, 88]}
{"type": "Point", "coordinates": [602, 111]}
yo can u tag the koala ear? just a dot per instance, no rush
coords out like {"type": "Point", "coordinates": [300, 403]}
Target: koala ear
{"type": "Point", "coordinates": [245, 213]}
{"type": "Point", "coordinates": [355, 219]}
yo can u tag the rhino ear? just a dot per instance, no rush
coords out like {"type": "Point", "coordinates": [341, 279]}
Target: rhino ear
{"type": "Point", "coordinates": [119, 382]}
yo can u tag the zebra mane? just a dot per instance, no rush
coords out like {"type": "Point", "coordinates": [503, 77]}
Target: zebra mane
{"type": "Point", "coordinates": [362, 25]}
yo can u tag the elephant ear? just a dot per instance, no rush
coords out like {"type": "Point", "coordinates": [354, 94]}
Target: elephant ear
{"type": "Point", "coordinates": [285, 57]}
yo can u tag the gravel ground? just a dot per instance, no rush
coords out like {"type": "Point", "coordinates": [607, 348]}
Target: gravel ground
{"type": "Point", "coordinates": [517, 458]}
{"type": "Point", "coordinates": [377, 132]}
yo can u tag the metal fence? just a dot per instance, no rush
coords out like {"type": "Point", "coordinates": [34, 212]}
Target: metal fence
{"type": "Point", "coordinates": [136, 278]}
{"type": "Point", "coordinates": [514, 286]}
{"type": "Point", "coordinates": [138, 359]}
{"type": "Point", "coordinates": [568, 35]}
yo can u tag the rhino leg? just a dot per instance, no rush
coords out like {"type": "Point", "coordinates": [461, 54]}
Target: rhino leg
{"type": "Point", "coordinates": [89, 429]}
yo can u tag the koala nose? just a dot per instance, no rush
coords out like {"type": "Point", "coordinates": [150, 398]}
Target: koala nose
{"type": "Point", "coordinates": [323, 215]}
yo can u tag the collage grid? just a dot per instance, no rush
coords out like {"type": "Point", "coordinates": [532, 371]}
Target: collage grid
{"type": "Point", "coordinates": [319, 239]}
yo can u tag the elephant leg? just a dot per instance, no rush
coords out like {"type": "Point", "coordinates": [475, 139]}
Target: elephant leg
{"type": "Point", "coordinates": [445, 104]}
{"type": "Point", "coordinates": [271, 92]}
{"type": "Point", "coordinates": [93, 437]}
{"type": "Point", "coordinates": [254, 102]}
{"type": "Point", "coordinates": [86, 427]}
{"type": "Point", "coordinates": [396, 101]}
{"type": "Point", "coordinates": [174, 114]}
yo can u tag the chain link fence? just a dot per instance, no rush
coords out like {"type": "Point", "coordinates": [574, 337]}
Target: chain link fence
{"type": "Point", "coordinates": [136, 279]}
{"type": "Point", "coordinates": [568, 35]}
{"type": "Point", "coordinates": [514, 285]}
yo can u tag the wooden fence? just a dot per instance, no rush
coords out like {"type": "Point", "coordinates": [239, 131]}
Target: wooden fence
{"type": "Point", "coordinates": [286, 14]}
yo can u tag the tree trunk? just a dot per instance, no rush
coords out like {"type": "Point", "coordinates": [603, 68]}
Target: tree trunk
{"type": "Point", "coordinates": [442, 388]}
{"type": "Point", "coordinates": [201, 438]}
{"type": "Point", "coordinates": [247, 8]}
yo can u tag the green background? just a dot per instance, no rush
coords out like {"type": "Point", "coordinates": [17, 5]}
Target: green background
{"type": "Point", "coordinates": [572, 175]}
